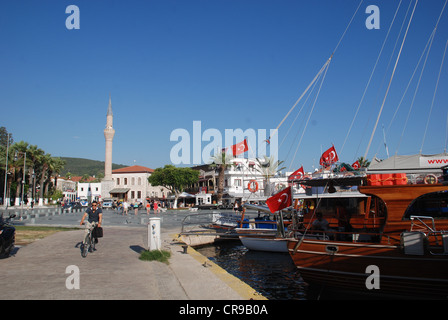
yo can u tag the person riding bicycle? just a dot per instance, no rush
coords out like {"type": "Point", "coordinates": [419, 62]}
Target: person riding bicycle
{"type": "Point", "coordinates": [95, 217]}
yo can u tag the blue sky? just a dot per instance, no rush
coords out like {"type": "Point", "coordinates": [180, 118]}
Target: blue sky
{"type": "Point", "coordinates": [229, 64]}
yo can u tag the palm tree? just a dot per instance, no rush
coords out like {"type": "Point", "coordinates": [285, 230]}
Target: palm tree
{"type": "Point", "coordinates": [33, 154]}
{"type": "Point", "coordinates": [57, 166]}
{"type": "Point", "coordinates": [220, 162]}
{"type": "Point", "coordinates": [18, 151]}
{"type": "Point", "coordinates": [363, 163]}
{"type": "Point", "coordinates": [268, 167]}
{"type": "Point", "coordinates": [44, 162]}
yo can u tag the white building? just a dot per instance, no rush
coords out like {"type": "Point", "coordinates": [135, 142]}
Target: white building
{"type": "Point", "coordinates": [68, 188]}
{"type": "Point", "coordinates": [131, 184]}
{"type": "Point", "coordinates": [89, 190]}
{"type": "Point", "coordinates": [242, 181]}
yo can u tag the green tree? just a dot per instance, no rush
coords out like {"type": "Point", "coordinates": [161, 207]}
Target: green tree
{"type": "Point", "coordinates": [4, 136]}
{"type": "Point", "coordinates": [56, 167]}
{"type": "Point", "coordinates": [363, 163]}
{"type": "Point", "coordinates": [174, 179]}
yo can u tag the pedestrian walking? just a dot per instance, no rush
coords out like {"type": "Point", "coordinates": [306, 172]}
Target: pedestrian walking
{"type": "Point", "coordinates": [125, 207]}
{"type": "Point", "coordinates": [135, 207]}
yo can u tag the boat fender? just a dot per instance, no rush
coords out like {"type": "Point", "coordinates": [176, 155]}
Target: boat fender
{"type": "Point", "coordinates": [331, 249]}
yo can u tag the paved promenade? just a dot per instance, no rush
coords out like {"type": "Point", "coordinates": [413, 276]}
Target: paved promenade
{"type": "Point", "coordinates": [41, 269]}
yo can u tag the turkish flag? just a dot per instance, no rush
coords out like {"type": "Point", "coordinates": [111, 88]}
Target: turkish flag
{"type": "Point", "coordinates": [356, 165]}
{"type": "Point", "coordinates": [329, 157]}
{"type": "Point", "coordinates": [280, 200]}
{"type": "Point", "coordinates": [297, 175]}
{"type": "Point", "coordinates": [239, 148]}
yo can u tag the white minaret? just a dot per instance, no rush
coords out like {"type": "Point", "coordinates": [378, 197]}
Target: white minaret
{"type": "Point", "coordinates": [109, 133]}
{"type": "Point", "coordinates": [107, 183]}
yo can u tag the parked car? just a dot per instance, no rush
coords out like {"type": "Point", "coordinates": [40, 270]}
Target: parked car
{"type": "Point", "coordinates": [73, 205]}
{"type": "Point", "coordinates": [84, 203]}
{"type": "Point", "coordinates": [108, 204]}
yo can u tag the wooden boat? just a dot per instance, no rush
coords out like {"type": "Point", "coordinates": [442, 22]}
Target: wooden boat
{"type": "Point", "coordinates": [396, 242]}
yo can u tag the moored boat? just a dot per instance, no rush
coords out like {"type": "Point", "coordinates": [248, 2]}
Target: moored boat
{"type": "Point", "coordinates": [264, 233]}
{"type": "Point", "coordinates": [392, 242]}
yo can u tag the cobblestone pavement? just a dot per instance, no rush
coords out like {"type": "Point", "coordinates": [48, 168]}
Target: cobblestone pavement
{"type": "Point", "coordinates": [47, 268]}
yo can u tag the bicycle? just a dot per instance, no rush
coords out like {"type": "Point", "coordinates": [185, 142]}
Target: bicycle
{"type": "Point", "coordinates": [88, 244]}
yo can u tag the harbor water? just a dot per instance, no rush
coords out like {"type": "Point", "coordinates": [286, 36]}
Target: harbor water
{"type": "Point", "coordinates": [273, 275]}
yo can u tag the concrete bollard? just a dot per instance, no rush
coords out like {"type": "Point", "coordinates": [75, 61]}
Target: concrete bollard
{"type": "Point", "coordinates": [154, 240]}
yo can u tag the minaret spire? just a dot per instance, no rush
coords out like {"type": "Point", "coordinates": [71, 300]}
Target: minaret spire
{"type": "Point", "coordinates": [109, 133]}
{"type": "Point", "coordinates": [109, 109]}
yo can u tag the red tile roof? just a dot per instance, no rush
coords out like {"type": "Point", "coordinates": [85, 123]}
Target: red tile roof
{"type": "Point", "coordinates": [133, 169]}
{"type": "Point", "coordinates": [79, 178]}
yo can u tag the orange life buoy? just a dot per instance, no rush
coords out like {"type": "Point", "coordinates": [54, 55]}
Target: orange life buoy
{"type": "Point", "coordinates": [430, 179]}
{"type": "Point", "coordinates": [252, 186]}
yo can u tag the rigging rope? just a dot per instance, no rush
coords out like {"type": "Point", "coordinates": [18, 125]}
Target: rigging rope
{"type": "Point", "coordinates": [421, 74]}
{"type": "Point", "coordinates": [435, 91]}
{"type": "Point", "coordinates": [415, 92]}
{"type": "Point", "coordinates": [320, 71]}
{"type": "Point", "coordinates": [370, 78]}
{"type": "Point", "coordinates": [407, 87]}
{"type": "Point", "coordinates": [309, 117]}
{"type": "Point", "coordinates": [433, 98]}
{"type": "Point", "coordinates": [390, 82]}
{"type": "Point", "coordinates": [386, 70]}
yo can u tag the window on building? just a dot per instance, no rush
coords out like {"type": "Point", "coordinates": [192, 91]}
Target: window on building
{"type": "Point", "coordinates": [139, 194]}
{"type": "Point", "coordinates": [125, 181]}
{"type": "Point", "coordinates": [118, 181]}
{"type": "Point", "coordinates": [132, 181]}
{"type": "Point", "coordinates": [132, 194]}
{"type": "Point", "coordinates": [139, 181]}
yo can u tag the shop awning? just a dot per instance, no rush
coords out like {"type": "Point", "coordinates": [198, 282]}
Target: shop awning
{"type": "Point", "coordinates": [119, 190]}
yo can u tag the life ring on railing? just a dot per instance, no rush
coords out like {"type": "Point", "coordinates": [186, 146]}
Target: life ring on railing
{"type": "Point", "coordinates": [252, 186]}
{"type": "Point", "coordinates": [430, 179]}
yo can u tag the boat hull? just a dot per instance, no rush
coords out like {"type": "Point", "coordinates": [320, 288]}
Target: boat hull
{"type": "Point", "coordinates": [352, 266]}
{"type": "Point", "coordinates": [265, 244]}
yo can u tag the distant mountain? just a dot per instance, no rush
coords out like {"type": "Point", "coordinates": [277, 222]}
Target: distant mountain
{"type": "Point", "coordinates": [80, 166]}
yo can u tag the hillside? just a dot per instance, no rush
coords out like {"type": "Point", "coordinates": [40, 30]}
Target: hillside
{"type": "Point", "coordinates": [80, 166]}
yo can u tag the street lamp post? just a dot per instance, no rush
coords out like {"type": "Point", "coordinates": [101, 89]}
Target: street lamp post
{"type": "Point", "coordinates": [34, 189]}
{"type": "Point", "coordinates": [5, 203]}
{"type": "Point", "coordinates": [23, 179]}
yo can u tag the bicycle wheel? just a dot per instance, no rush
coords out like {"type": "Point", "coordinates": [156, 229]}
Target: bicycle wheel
{"type": "Point", "coordinates": [85, 246]}
{"type": "Point", "coordinates": [91, 242]}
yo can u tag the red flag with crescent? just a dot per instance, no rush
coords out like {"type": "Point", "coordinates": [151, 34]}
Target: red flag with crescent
{"type": "Point", "coordinates": [280, 200]}
{"type": "Point", "coordinates": [297, 175]}
{"type": "Point", "coordinates": [329, 157]}
{"type": "Point", "coordinates": [356, 165]}
{"type": "Point", "coordinates": [239, 148]}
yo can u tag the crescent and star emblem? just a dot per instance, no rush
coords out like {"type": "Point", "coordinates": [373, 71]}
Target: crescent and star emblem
{"type": "Point", "coordinates": [284, 201]}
